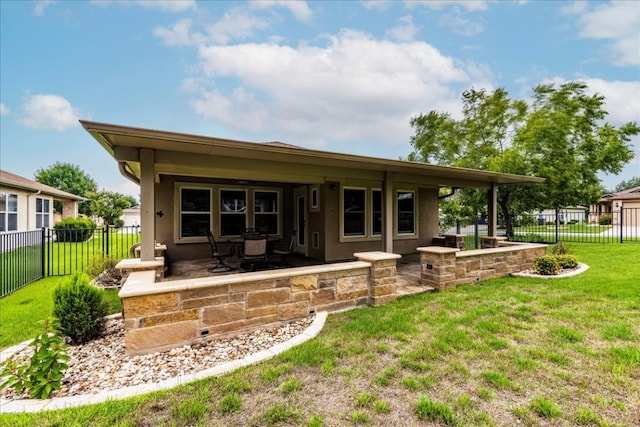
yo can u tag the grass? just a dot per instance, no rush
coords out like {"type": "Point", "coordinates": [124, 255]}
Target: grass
{"type": "Point", "coordinates": [501, 352]}
{"type": "Point", "coordinates": [21, 310]}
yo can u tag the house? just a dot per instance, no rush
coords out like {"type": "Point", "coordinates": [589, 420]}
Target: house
{"type": "Point", "coordinates": [356, 215]}
{"type": "Point", "coordinates": [28, 205]}
{"type": "Point", "coordinates": [131, 216]}
{"type": "Point", "coordinates": [339, 204]}
{"type": "Point", "coordinates": [625, 202]}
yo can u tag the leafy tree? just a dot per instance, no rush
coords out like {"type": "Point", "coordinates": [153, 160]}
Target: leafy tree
{"type": "Point", "coordinates": [109, 205]}
{"type": "Point", "coordinates": [560, 136]}
{"type": "Point", "coordinates": [70, 178]}
{"type": "Point", "coordinates": [625, 185]}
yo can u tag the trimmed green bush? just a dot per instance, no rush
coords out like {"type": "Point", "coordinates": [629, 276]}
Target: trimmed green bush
{"type": "Point", "coordinates": [559, 248]}
{"type": "Point", "coordinates": [99, 263]}
{"type": "Point", "coordinates": [81, 308]}
{"type": "Point", "coordinates": [605, 219]}
{"type": "Point", "coordinates": [546, 265]}
{"type": "Point", "coordinates": [567, 261]}
{"type": "Point", "coordinates": [74, 229]}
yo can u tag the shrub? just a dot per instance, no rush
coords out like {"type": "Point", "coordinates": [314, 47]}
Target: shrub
{"type": "Point", "coordinates": [605, 219]}
{"type": "Point", "coordinates": [100, 263]}
{"type": "Point", "coordinates": [546, 265]}
{"type": "Point", "coordinates": [45, 369]}
{"type": "Point", "coordinates": [559, 249]}
{"type": "Point", "coordinates": [567, 261]}
{"type": "Point", "coordinates": [74, 229]}
{"type": "Point", "coordinates": [80, 307]}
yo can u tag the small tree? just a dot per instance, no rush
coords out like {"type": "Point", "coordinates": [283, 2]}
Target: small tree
{"type": "Point", "coordinates": [70, 178]}
{"type": "Point", "coordinates": [109, 205]}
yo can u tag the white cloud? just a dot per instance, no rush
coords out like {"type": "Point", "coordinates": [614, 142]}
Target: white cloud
{"type": "Point", "coordinates": [379, 5]}
{"type": "Point", "coordinates": [616, 22]}
{"type": "Point", "coordinates": [41, 5]}
{"type": "Point", "coordinates": [163, 5]}
{"type": "Point", "coordinates": [235, 24]}
{"type": "Point", "coordinates": [48, 112]}
{"type": "Point", "coordinates": [4, 110]}
{"type": "Point", "coordinates": [404, 30]}
{"type": "Point", "coordinates": [179, 34]}
{"type": "Point", "coordinates": [353, 87]}
{"type": "Point", "coordinates": [469, 5]}
{"type": "Point", "coordinates": [299, 9]}
{"type": "Point", "coordinates": [462, 26]}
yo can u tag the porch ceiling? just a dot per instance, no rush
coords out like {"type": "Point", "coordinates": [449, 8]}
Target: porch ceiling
{"type": "Point", "coordinates": [193, 155]}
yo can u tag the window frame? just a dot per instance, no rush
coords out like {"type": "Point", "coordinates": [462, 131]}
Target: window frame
{"type": "Point", "coordinates": [277, 212]}
{"type": "Point", "coordinates": [178, 237]}
{"type": "Point", "coordinates": [6, 213]}
{"type": "Point", "coordinates": [397, 233]}
{"type": "Point", "coordinates": [242, 212]}
{"type": "Point", "coordinates": [373, 213]}
{"type": "Point", "coordinates": [42, 214]}
{"type": "Point", "coordinates": [365, 233]}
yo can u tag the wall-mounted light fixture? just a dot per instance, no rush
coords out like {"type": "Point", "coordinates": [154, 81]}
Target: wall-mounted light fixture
{"type": "Point", "coordinates": [333, 187]}
{"type": "Point", "coordinates": [160, 214]}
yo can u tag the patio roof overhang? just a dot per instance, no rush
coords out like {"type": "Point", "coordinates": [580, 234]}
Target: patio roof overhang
{"type": "Point", "coordinates": [194, 155]}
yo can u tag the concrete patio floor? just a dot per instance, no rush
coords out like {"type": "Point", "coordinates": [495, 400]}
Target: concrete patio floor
{"type": "Point", "coordinates": [408, 268]}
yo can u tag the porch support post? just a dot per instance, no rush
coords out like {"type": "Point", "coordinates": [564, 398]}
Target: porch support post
{"type": "Point", "coordinates": [388, 213]}
{"type": "Point", "coordinates": [492, 210]}
{"type": "Point", "coordinates": [147, 204]}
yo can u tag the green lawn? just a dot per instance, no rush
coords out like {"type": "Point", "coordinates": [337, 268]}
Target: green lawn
{"type": "Point", "coordinates": [510, 351]}
{"type": "Point", "coordinates": [21, 310]}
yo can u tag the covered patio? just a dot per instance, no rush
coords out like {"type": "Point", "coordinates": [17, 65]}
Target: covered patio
{"type": "Point", "coordinates": [358, 223]}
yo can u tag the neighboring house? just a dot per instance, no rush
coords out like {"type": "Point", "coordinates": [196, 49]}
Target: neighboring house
{"type": "Point", "coordinates": [565, 215]}
{"type": "Point", "coordinates": [28, 205]}
{"type": "Point", "coordinates": [625, 201]}
{"type": "Point", "coordinates": [131, 216]}
{"type": "Point", "coordinates": [338, 204]}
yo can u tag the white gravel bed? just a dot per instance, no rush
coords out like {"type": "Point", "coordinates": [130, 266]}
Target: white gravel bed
{"type": "Point", "coordinates": [102, 365]}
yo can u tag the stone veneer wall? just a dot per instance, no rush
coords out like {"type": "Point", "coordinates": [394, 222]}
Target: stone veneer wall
{"type": "Point", "coordinates": [162, 315]}
{"type": "Point", "coordinates": [445, 268]}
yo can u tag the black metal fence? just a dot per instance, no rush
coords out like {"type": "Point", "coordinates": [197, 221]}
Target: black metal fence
{"type": "Point", "coordinates": [31, 255]}
{"type": "Point", "coordinates": [565, 225]}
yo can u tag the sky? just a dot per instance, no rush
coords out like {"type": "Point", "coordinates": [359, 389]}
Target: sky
{"type": "Point", "coordinates": [328, 75]}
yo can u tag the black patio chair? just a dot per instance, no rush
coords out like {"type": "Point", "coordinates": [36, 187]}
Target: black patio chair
{"type": "Point", "coordinates": [218, 255]}
{"type": "Point", "coordinates": [285, 251]}
{"type": "Point", "coordinates": [254, 252]}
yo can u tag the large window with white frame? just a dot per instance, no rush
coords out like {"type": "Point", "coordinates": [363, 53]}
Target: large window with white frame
{"type": "Point", "coordinates": [406, 212]}
{"type": "Point", "coordinates": [265, 211]}
{"type": "Point", "coordinates": [195, 212]}
{"type": "Point", "coordinates": [42, 213]}
{"type": "Point", "coordinates": [233, 212]}
{"type": "Point", "coordinates": [354, 212]}
{"type": "Point", "coordinates": [8, 212]}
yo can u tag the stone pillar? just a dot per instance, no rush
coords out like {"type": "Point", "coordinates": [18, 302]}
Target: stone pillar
{"type": "Point", "coordinates": [455, 241]}
{"type": "Point", "coordinates": [438, 267]}
{"type": "Point", "coordinates": [491, 242]}
{"type": "Point", "coordinates": [382, 277]}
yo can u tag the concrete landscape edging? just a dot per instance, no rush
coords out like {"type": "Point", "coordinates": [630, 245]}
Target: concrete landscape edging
{"type": "Point", "coordinates": [36, 405]}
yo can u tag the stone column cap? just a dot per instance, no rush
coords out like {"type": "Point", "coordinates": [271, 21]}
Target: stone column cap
{"type": "Point", "coordinates": [438, 250]}
{"type": "Point", "coordinates": [376, 256]}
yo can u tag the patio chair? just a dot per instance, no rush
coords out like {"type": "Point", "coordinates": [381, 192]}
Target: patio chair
{"type": "Point", "coordinates": [254, 252]}
{"type": "Point", "coordinates": [217, 255]}
{"type": "Point", "coordinates": [285, 251]}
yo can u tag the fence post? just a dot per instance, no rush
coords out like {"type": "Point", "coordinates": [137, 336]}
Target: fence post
{"type": "Point", "coordinates": [43, 241]}
{"type": "Point", "coordinates": [476, 232]}
{"type": "Point", "coordinates": [557, 224]}
{"type": "Point", "coordinates": [621, 222]}
{"type": "Point", "coordinates": [457, 226]}
{"type": "Point", "coordinates": [106, 239]}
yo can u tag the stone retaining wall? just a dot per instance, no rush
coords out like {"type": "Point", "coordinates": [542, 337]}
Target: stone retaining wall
{"type": "Point", "coordinates": [163, 315]}
{"type": "Point", "coordinates": [445, 268]}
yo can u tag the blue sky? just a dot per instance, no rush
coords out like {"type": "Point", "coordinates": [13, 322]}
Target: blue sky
{"type": "Point", "coordinates": [329, 75]}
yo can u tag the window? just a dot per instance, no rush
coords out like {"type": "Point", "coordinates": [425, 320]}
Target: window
{"type": "Point", "coordinates": [354, 212]}
{"type": "Point", "coordinates": [265, 211]}
{"type": "Point", "coordinates": [233, 212]}
{"type": "Point", "coordinates": [195, 212]}
{"type": "Point", "coordinates": [42, 213]}
{"type": "Point", "coordinates": [8, 212]}
{"type": "Point", "coordinates": [406, 212]}
{"type": "Point", "coordinates": [315, 199]}
{"type": "Point", "coordinates": [376, 212]}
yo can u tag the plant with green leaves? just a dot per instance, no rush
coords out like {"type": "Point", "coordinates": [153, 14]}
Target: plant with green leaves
{"type": "Point", "coordinates": [70, 178]}
{"type": "Point", "coordinates": [81, 308]}
{"type": "Point", "coordinates": [546, 265]}
{"type": "Point", "coordinates": [561, 135]}
{"type": "Point", "coordinates": [42, 375]}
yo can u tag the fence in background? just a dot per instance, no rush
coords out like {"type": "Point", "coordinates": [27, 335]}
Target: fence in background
{"type": "Point", "coordinates": [565, 225]}
{"type": "Point", "coordinates": [31, 255]}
